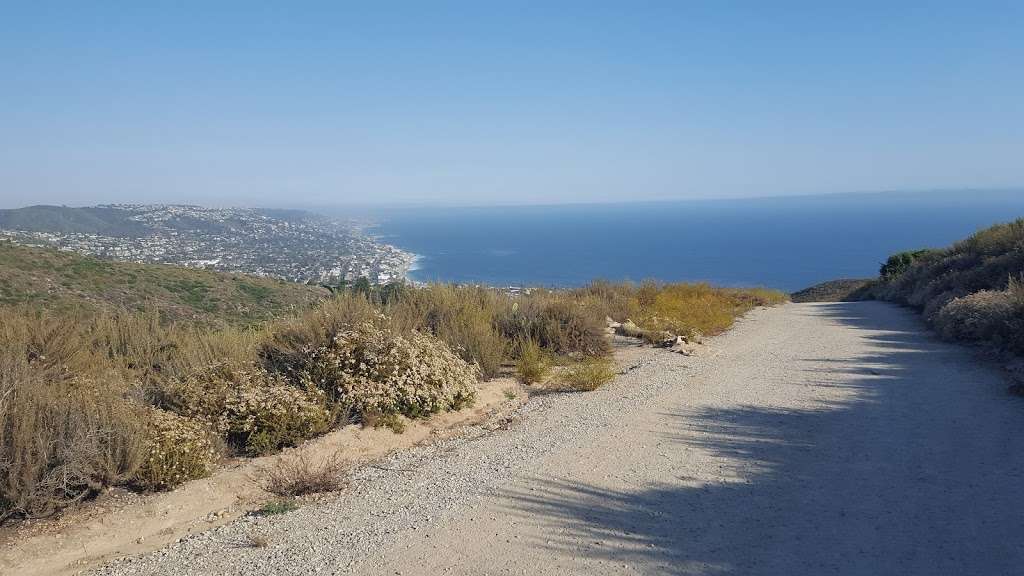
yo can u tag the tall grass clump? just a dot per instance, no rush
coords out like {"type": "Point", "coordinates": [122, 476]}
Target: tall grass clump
{"type": "Point", "coordinates": [532, 364]}
{"type": "Point", "coordinates": [560, 322]}
{"type": "Point", "coordinates": [590, 374]}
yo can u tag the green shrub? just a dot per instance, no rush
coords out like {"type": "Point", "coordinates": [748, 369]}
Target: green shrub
{"type": "Point", "coordinates": [178, 449]}
{"type": "Point", "coordinates": [898, 263]}
{"type": "Point", "coordinates": [590, 374]}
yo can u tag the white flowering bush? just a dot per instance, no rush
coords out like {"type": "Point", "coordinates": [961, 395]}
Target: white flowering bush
{"type": "Point", "coordinates": [178, 449]}
{"type": "Point", "coordinates": [264, 419]}
{"type": "Point", "coordinates": [256, 411]}
{"type": "Point", "coordinates": [373, 369]}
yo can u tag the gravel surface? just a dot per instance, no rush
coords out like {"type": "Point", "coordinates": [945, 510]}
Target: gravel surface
{"type": "Point", "coordinates": [812, 439]}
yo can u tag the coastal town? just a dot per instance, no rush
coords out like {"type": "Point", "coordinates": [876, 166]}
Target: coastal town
{"type": "Point", "coordinates": [288, 244]}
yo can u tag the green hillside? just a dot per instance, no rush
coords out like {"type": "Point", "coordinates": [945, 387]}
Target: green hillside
{"type": "Point", "coordinates": [62, 280]}
{"type": "Point", "coordinates": [101, 220]}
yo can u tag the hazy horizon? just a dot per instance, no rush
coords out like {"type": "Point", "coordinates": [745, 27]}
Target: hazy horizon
{"type": "Point", "coordinates": [465, 104]}
{"type": "Point", "coordinates": [384, 206]}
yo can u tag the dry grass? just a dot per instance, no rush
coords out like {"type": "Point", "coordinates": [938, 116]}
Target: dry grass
{"type": "Point", "coordinates": [278, 506]}
{"type": "Point", "coordinates": [678, 309]}
{"type": "Point", "coordinates": [302, 475]}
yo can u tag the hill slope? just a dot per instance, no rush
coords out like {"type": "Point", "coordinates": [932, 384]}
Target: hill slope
{"type": "Point", "coordinates": [972, 290]}
{"type": "Point", "coordinates": [102, 220]}
{"type": "Point", "coordinates": [60, 280]}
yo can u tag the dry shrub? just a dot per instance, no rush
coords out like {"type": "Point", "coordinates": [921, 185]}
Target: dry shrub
{"type": "Point", "coordinates": [53, 344]}
{"type": "Point", "coordinates": [258, 540]}
{"type": "Point", "coordinates": [62, 441]}
{"type": "Point", "coordinates": [987, 315]}
{"type": "Point", "coordinates": [259, 413]}
{"type": "Point", "coordinates": [995, 240]}
{"type": "Point", "coordinates": [374, 369]}
{"type": "Point", "coordinates": [618, 301]}
{"type": "Point", "coordinates": [394, 422]}
{"type": "Point", "coordinates": [532, 365]}
{"type": "Point", "coordinates": [302, 474]}
{"type": "Point", "coordinates": [178, 449]}
{"type": "Point", "coordinates": [63, 435]}
{"type": "Point", "coordinates": [560, 322]}
{"type": "Point", "coordinates": [971, 290]}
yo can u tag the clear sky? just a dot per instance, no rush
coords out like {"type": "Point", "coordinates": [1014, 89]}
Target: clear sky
{"type": "Point", "coordinates": [302, 103]}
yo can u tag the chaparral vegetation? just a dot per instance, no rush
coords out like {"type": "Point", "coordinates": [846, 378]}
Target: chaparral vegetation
{"type": "Point", "coordinates": [93, 394]}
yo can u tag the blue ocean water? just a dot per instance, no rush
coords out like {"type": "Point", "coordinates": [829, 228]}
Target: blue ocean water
{"type": "Point", "coordinates": [786, 243]}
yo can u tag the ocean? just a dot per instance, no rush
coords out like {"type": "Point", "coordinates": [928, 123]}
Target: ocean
{"type": "Point", "coordinates": [786, 242]}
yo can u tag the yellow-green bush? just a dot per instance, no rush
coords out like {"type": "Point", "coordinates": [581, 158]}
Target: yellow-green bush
{"type": "Point", "coordinates": [178, 449]}
{"type": "Point", "coordinates": [264, 419]}
{"type": "Point", "coordinates": [590, 374]}
{"type": "Point", "coordinates": [532, 365]}
{"type": "Point", "coordinates": [678, 308]}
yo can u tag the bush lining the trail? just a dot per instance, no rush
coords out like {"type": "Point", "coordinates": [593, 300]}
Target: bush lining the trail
{"type": "Point", "coordinates": [373, 369]}
{"type": "Point", "coordinates": [972, 291]}
{"type": "Point", "coordinates": [179, 449]}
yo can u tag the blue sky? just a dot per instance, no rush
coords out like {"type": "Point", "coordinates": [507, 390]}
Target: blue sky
{"type": "Point", "coordinates": [484, 102]}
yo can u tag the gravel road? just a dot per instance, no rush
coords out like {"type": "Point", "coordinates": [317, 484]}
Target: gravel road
{"type": "Point", "coordinates": [812, 439]}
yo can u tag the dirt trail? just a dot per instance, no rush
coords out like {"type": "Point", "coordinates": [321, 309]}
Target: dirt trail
{"type": "Point", "coordinates": [815, 439]}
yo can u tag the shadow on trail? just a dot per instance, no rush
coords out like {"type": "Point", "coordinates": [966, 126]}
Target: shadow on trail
{"type": "Point", "coordinates": [908, 476]}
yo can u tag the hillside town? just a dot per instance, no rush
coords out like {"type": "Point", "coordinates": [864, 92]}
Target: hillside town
{"type": "Point", "coordinates": [290, 245]}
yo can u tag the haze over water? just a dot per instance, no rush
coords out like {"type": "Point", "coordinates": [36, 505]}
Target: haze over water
{"type": "Point", "coordinates": [787, 243]}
